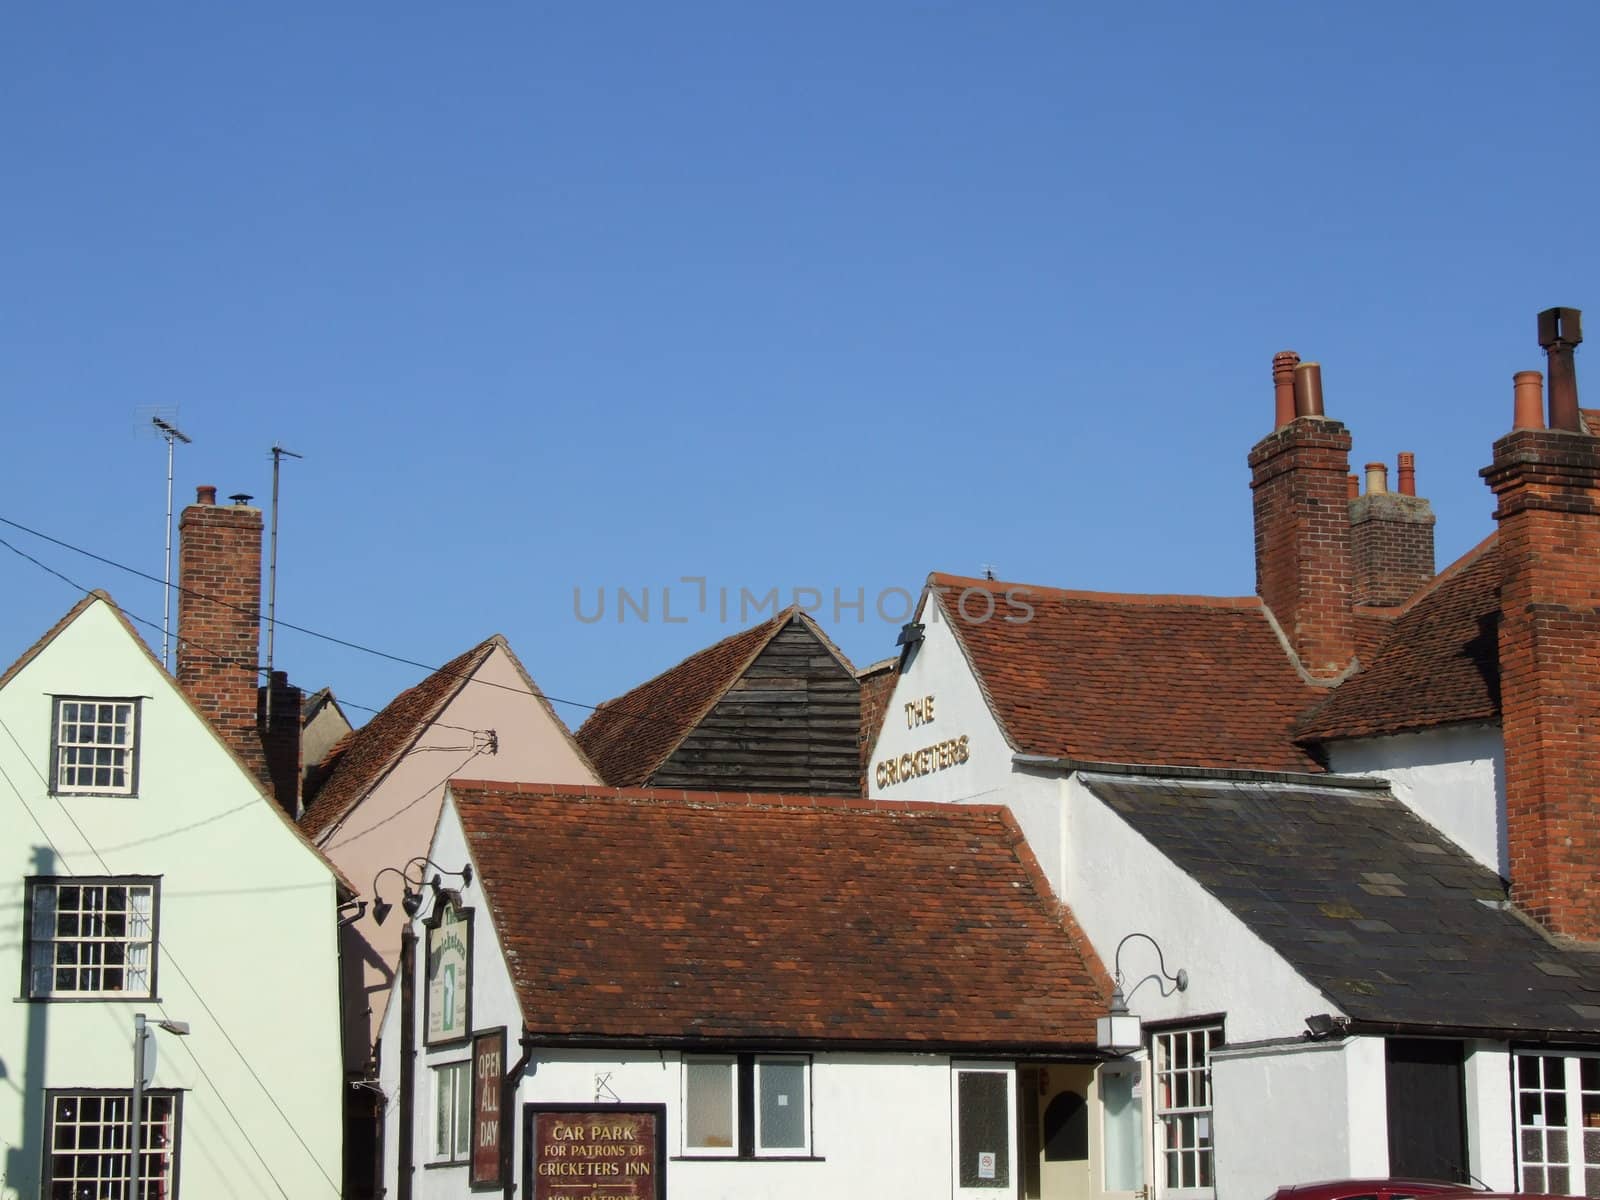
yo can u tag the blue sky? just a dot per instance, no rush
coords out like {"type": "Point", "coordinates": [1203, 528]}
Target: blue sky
{"type": "Point", "coordinates": [597, 296]}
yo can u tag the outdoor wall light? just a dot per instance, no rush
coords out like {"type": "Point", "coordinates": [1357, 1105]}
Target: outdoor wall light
{"type": "Point", "coordinates": [1323, 1025]}
{"type": "Point", "coordinates": [411, 897]}
{"type": "Point", "coordinates": [1119, 1030]}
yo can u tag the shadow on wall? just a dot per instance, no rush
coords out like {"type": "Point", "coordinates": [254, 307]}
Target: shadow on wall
{"type": "Point", "coordinates": [23, 1161]}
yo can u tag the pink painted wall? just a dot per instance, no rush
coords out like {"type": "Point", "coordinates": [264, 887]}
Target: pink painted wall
{"type": "Point", "coordinates": [396, 819]}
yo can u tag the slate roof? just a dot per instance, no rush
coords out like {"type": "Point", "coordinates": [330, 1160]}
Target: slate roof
{"type": "Point", "coordinates": [1179, 680]}
{"type": "Point", "coordinates": [1439, 664]}
{"type": "Point", "coordinates": [684, 917]}
{"type": "Point", "coordinates": [356, 763]}
{"type": "Point", "coordinates": [629, 737]}
{"type": "Point", "coordinates": [1392, 921]}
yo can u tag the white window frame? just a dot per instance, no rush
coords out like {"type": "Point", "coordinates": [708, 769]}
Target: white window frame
{"type": "Point", "coordinates": [731, 1066]}
{"type": "Point", "coordinates": [118, 752]}
{"type": "Point", "coordinates": [452, 1090]}
{"type": "Point", "coordinates": [744, 1075]}
{"type": "Point", "coordinates": [1582, 1105]}
{"type": "Point", "coordinates": [1010, 1189]}
{"type": "Point", "coordinates": [804, 1063]}
{"type": "Point", "coordinates": [1166, 1115]}
{"type": "Point", "coordinates": [48, 945]}
{"type": "Point", "coordinates": [104, 1167]}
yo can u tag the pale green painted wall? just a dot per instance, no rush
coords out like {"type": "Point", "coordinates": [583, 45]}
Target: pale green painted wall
{"type": "Point", "coordinates": [247, 931]}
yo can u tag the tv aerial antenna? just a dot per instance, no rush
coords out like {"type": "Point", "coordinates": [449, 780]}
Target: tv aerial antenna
{"type": "Point", "coordinates": [172, 435]}
{"type": "Point", "coordinates": [278, 455]}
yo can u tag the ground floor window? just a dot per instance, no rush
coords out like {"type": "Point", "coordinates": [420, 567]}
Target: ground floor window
{"type": "Point", "coordinates": [984, 1114]}
{"type": "Point", "coordinates": [1558, 1123]}
{"type": "Point", "coordinates": [1184, 1150]}
{"type": "Point", "coordinates": [89, 1148]}
{"type": "Point", "coordinates": [747, 1105]}
{"type": "Point", "coordinates": [452, 1108]}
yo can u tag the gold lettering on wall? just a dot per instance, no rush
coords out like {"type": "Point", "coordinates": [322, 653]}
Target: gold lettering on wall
{"type": "Point", "coordinates": [937, 757]}
{"type": "Point", "coordinates": [919, 712]}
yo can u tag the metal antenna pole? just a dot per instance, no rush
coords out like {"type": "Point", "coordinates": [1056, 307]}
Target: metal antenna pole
{"type": "Point", "coordinates": [172, 434]}
{"type": "Point", "coordinates": [278, 453]}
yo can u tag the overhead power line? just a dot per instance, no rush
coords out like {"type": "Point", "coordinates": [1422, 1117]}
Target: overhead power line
{"type": "Point", "coordinates": [325, 637]}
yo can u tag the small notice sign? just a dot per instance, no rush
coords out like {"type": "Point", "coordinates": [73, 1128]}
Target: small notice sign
{"type": "Point", "coordinates": [986, 1164]}
{"type": "Point", "coordinates": [594, 1152]}
{"type": "Point", "coordinates": [488, 1072]}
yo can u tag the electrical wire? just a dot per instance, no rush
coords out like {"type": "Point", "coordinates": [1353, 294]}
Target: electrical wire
{"type": "Point", "coordinates": [326, 637]}
{"type": "Point", "coordinates": [215, 655]}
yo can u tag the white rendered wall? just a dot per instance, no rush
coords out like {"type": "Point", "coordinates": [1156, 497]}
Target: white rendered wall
{"type": "Point", "coordinates": [1490, 1105]}
{"type": "Point", "coordinates": [1118, 883]}
{"type": "Point", "coordinates": [1452, 778]}
{"type": "Point", "coordinates": [494, 1005]}
{"type": "Point", "coordinates": [939, 669]}
{"type": "Point", "coordinates": [247, 951]}
{"type": "Point", "coordinates": [1283, 1116]}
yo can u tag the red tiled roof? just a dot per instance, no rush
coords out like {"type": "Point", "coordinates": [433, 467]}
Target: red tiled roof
{"type": "Point", "coordinates": [1440, 664]}
{"type": "Point", "coordinates": [362, 757]}
{"type": "Point", "coordinates": [685, 916]}
{"type": "Point", "coordinates": [629, 737]}
{"type": "Point", "coordinates": [1173, 680]}
{"type": "Point", "coordinates": [877, 688]}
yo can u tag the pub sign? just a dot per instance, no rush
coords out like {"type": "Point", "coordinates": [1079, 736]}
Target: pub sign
{"type": "Point", "coordinates": [615, 1151]}
{"type": "Point", "coordinates": [448, 997]}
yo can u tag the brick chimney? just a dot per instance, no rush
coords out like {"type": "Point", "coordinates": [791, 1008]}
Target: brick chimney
{"type": "Point", "coordinates": [219, 618]}
{"type": "Point", "coordinates": [1391, 537]}
{"type": "Point", "coordinates": [278, 710]}
{"type": "Point", "coordinates": [1547, 484]}
{"type": "Point", "coordinates": [1304, 569]}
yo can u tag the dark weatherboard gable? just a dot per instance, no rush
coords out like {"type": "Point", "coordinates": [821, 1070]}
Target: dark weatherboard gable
{"type": "Point", "coordinates": [789, 723]}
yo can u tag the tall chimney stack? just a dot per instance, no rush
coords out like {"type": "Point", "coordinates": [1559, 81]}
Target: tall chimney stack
{"type": "Point", "coordinates": [1299, 477]}
{"type": "Point", "coordinates": [1547, 485]}
{"type": "Point", "coordinates": [219, 618]}
{"type": "Point", "coordinates": [1391, 536]}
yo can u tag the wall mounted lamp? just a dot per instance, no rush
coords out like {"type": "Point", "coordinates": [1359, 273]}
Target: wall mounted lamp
{"type": "Point", "coordinates": [411, 896]}
{"type": "Point", "coordinates": [1119, 1030]}
{"type": "Point", "coordinates": [1325, 1025]}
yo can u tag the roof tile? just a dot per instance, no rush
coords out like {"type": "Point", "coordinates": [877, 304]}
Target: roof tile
{"type": "Point", "coordinates": [688, 916]}
{"type": "Point", "coordinates": [1177, 680]}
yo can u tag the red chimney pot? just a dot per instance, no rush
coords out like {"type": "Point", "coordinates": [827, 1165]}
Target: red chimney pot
{"type": "Point", "coordinates": [1408, 473]}
{"type": "Point", "coordinates": [1527, 407]}
{"type": "Point", "coordinates": [1308, 390]}
{"type": "Point", "coordinates": [1283, 365]}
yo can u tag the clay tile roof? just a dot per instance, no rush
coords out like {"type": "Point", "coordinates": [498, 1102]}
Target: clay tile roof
{"type": "Point", "coordinates": [666, 916]}
{"type": "Point", "coordinates": [629, 737]}
{"type": "Point", "coordinates": [877, 688]}
{"type": "Point", "coordinates": [1440, 664]}
{"type": "Point", "coordinates": [1176, 680]}
{"type": "Point", "coordinates": [362, 757]}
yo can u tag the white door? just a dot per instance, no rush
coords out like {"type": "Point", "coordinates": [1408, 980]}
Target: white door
{"type": "Point", "coordinates": [983, 1125]}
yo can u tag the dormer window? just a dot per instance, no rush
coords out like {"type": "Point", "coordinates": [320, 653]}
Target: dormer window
{"type": "Point", "coordinates": [95, 746]}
